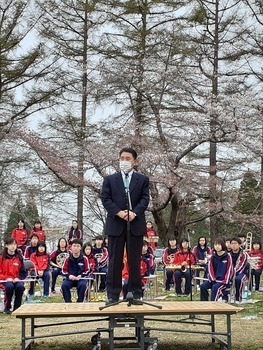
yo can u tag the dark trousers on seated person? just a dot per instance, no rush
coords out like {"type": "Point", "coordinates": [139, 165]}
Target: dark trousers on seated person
{"type": "Point", "coordinates": [169, 274]}
{"type": "Point", "coordinates": [239, 285]}
{"type": "Point", "coordinates": [256, 274]}
{"type": "Point", "coordinates": [46, 280]}
{"type": "Point", "coordinates": [178, 275]}
{"type": "Point", "coordinates": [81, 286]}
{"type": "Point", "coordinates": [55, 273]}
{"type": "Point", "coordinates": [10, 289]}
{"type": "Point", "coordinates": [217, 289]}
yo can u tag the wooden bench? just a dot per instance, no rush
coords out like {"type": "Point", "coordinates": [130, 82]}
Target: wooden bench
{"type": "Point", "coordinates": [138, 317]}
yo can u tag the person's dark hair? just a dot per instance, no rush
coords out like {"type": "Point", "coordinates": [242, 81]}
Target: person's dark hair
{"type": "Point", "coordinates": [34, 235]}
{"type": "Point", "coordinates": [24, 225]}
{"type": "Point", "coordinates": [236, 239]}
{"type": "Point", "coordinates": [129, 150]}
{"type": "Point", "coordinates": [77, 241]}
{"type": "Point", "coordinates": [9, 240]}
{"type": "Point", "coordinates": [257, 242]}
{"type": "Point", "coordinates": [85, 245]}
{"type": "Point", "coordinates": [171, 238]}
{"type": "Point", "coordinates": [184, 239]}
{"type": "Point", "coordinates": [220, 241]}
{"type": "Point", "coordinates": [99, 238]}
{"type": "Point", "coordinates": [37, 222]}
{"type": "Point", "coordinates": [242, 235]}
{"type": "Point", "coordinates": [62, 238]}
{"type": "Point", "coordinates": [199, 240]}
{"type": "Point", "coordinates": [41, 244]}
{"type": "Point", "coordinates": [228, 239]}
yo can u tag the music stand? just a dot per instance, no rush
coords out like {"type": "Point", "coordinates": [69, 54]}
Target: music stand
{"type": "Point", "coordinates": [129, 298]}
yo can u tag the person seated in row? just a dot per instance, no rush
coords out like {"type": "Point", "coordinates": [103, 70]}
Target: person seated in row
{"type": "Point", "coordinates": [101, 257]}
{"type": "Point", "coordinates": [145, 271]}
{"type": "Point", "coordinates": [87, 251]}
{"type": "Point", "coordinates": [168, 257]}
{"type": "Point", "coordinates": [147, 253]}
{"type": "Point", "coordinates": [257, 266]}
{"type": "Point", "coordinates": [76, 269]}
{"type": "Point", "coordinates": [239, 261]}
{"type": "Point", "coordinates": [220, 272]}
{"type": "Point", "coordinates": [12, 271]}
{"type": "Point", "coordinates": [185, 259]}
{"type": "Point", "coordinates": [57, 258]}
{"type": "Point", "coordinates": [202, 253]}
{"type": "Point", "coordinates": [41, 261]}
{"type": "Point", "coordinates": [30, 249]}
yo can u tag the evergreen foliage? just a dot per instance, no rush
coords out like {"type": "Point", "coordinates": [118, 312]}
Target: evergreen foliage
{"type": "Point", "coordinates": [248, 195]}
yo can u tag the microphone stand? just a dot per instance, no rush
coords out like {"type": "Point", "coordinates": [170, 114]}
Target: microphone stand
{"type": "Point", "coordinates": [129, 298]}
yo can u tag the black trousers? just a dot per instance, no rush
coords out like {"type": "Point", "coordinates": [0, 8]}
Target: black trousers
{"type": "Point", "coordinates": [116, 246]}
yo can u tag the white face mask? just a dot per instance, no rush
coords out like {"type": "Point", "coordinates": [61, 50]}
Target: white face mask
{"type": "Point", "coordinates": [125, 166]}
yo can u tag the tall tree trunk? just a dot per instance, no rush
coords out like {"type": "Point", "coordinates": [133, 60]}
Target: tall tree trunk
{"type": "Point", "coordinates": [83, 122]}
{"type": "Point", "coordinates": [213, 144]}
{"type": "Point", "coordinates": [261, 195]}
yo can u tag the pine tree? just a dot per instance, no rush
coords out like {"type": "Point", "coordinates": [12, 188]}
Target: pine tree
{"type": "Point", "coordinates": [248, 195]}
{"type": "Point", "coordinates": [17, 213]}
{"type": "Point", "coordinates": [31, 214]}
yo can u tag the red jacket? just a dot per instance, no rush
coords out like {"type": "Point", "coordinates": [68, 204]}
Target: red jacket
{"type": "Point", "coordinates": [145, 270]}
{"type": "Point", "coordinates": [257, 254]}
{"type": "Point", "coordinates": [12, 267]}
{"type": "Point", "coordinates": [39, 233]}
{"type": "Point", "coordinates": [20, 235]}
{"type": "Point", "coordinates": [183, 256]}
{"type": "Point", "coordinates": [41, 262]}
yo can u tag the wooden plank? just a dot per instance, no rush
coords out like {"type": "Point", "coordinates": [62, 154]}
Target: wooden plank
{"type": "Point", "coordinates": [92, 309]}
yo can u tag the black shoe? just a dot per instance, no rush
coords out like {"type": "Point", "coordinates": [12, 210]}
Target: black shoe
{"type": "Point", "coordinates": [7, 312]}
{"type": "Point", "coordinates": [111, 301]}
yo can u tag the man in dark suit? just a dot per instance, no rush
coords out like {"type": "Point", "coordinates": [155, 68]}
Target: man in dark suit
{"type": "Point", "coordinates": [125, 223]}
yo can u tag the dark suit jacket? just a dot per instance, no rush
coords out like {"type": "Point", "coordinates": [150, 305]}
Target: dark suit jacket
{"type": "Point", "coordinates": [113, 198]}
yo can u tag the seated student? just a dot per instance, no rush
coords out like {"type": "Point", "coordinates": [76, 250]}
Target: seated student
{"type": "Point", "coordinates": [41, 261]}
{"type": "Point", "coordinates": [147, 253]}
{"type": "Point", "coordinates": [168, 257]}
{"type": "Point", "coordinates": [101, 257]}
{"type": "Point", "coordinates": [12, 270]}
{"type": "Point", "coordinates": [145, 271]}
{"type": "Point", "coordinates": [239, 261]}
{"type": "Point", "coordinates": [75, 268]}
{"type": "Point", "coordinates": [220, 272]}
{"type": "Point", "coordinates": [243, 240]}
{"type": "Point", "coordinates": [38, 230]}
{"type": "Point", "coordinates": [183, 258]}
{"type": "Point", "coordinates": [57, 257]}
{"type": "Point", "coordinates": [87, 250]}
{"type": "Point", "coordinates": [257, 265]}
{"type": "Point", "coordinates": [20, 234]}
{"type": "Point", "coordinates": [202, 255]}
{"type": "Point", "coordinates": [32, 247]}
{"type": "Point", "coordinates": [228, 244]}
